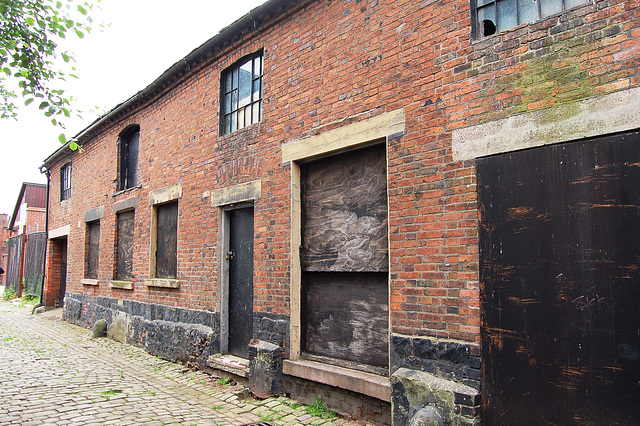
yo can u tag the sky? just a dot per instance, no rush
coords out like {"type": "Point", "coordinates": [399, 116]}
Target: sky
{"type": "Point", "coordinates": [142, 40]}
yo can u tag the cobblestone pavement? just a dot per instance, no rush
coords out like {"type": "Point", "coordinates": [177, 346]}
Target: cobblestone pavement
{"type": "Point", "coordinates": [55, 373]}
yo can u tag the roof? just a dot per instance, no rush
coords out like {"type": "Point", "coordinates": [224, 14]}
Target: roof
{"type": "Point", "coordinates": [34, 194]}
{"type": "Point", "coordinates": [253, 22]}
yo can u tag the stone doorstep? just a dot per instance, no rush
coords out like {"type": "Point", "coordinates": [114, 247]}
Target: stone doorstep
{"type": "Point", "coordinates": [229, 363]}
{"type": "Point", "coordinates": [357, 381]}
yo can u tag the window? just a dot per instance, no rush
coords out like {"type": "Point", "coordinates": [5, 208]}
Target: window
{"type": "Point", "coordinates": [166, 240]}
{"type": "Point", "coordinates": [92, 250]}
{"type": "Point", "coordinates": [242, 94]}
{"type": "Point", "coordinates": [124, 245]}
{"type": "Point", "coordinates": [499, 15]}
{"type": "Point", "coordinates": [129, 141]}
{"type": "Point", "coordinates": [65, 182]}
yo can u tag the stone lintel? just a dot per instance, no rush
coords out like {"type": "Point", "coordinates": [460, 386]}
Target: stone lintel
{"type": "Point", "coordinates": [94, 214]}
{"type": "Point", "coordinates": [597, 116]}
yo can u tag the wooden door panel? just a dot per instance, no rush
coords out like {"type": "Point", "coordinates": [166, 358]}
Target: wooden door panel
{"type": "Point", "coordinates": [560, 280]}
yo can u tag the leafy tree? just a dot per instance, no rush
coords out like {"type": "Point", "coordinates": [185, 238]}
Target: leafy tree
{"type": "Point", "coordinates": [30, 31]}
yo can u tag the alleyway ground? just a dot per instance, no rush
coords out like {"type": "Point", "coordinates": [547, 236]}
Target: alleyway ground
{"type": "Point", "coordinates": [55, 373]}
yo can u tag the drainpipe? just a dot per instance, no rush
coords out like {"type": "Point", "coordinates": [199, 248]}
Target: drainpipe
{"type": "Point", "coordinates": [47, 172]}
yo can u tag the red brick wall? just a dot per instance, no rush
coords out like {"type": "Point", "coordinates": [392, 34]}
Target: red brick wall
{"type": "Point", "coordinates": [53, 272]}
{"type": "Point", "coordinates": [327, 62]}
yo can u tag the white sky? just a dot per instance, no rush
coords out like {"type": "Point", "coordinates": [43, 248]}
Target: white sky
{"type": "Point", "coordinates": [145, 38]}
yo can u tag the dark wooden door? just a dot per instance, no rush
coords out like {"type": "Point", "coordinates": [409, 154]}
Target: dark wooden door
{"type": "Point", "coordinates": [240, 255]}
{"type": "Point", "coordinates": [560, 283]}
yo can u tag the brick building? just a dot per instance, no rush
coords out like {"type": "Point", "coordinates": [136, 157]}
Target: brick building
{"type": "Point", "coordinates": [26, 240]}
{"type": "Point", "coordinates": [4, 247]}
{"type": "Point", "coordinates": [415, 209]}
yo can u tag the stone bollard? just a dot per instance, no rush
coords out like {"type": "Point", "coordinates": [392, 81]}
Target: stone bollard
{"type": "Point", "coordinates": [265, 373]}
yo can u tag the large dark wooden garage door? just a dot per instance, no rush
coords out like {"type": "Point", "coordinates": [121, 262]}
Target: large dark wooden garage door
{"type": "Point", "coordinates": [560, 280]}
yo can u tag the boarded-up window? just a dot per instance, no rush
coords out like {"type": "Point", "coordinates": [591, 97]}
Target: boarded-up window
{"type": "Point", "coordinates": [129, 142]}
{"type": "Point", "coordinates": [92, 249]}
{"type": "Point", "coordinates": [124, 246]}
{"type": "Point", "coordinates": [345, 257]}
{"type": "Point", "coordinates": [167, 240]}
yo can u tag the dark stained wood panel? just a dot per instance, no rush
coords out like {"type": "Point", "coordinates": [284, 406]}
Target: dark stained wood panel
{"type": "Point", "coordinates": [345, 212]}
{"type": "Point", "coordinates": [93, 249]}
{"type": "Point", "coordinates": [167, 240]}
{"type": "Point", "coordinates": [124, 249]}
{"type": "Point", "coordinates": [560, 283]}
{"type": "Point", "coordinates": [346, 316]}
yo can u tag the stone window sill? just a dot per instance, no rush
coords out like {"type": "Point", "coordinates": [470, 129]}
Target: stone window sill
{"type": "Point", "coordinates": [162, 283]}
{"type": "Point", "coordinates": [124, 285]}
{"type": "Point", "coordinates": [356, 381]}
{"type": "Point", "coordinates": [88, 281]}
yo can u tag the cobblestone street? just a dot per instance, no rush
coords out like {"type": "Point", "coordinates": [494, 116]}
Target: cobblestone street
{"type": "Point", "coordinates": [55, 373]}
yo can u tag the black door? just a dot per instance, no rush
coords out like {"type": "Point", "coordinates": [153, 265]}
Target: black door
{"type": "Point", "coordinates": [63, 272]}
{"type": "Point", "coordinates": [240, 257]}
{"type": "Point", "coordinates": [560, 277]}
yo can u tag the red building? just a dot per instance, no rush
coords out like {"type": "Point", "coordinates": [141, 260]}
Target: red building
{"type": "Point", "coordinates": [413, 209]}
{"type": "Point", "coordinates": [27, 239]}
{"type": "Point", "coordinates": [4, 247]}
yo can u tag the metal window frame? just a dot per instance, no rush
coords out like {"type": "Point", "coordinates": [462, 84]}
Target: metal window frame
{"type": "Point", "coordinates": [65, 182]}
{"type": "Point", "coordinates": [476, 30]}
{"type": "Point", "coordinates": [124, 154]}
{"type": "Point", "coordinates": [226, 91]}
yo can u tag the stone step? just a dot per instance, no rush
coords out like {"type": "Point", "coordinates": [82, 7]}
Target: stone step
{"type": "Point", "coordinates": [229, 363]}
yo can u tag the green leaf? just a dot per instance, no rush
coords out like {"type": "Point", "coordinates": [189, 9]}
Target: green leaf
{"type": "Point", "coordinates": [30, 21]}
{"type": "Point", "coordinates": [43, 105]}
{"type": "Point", "coordinates": [28, 101]}
{"type": "Point", "coordinates": [79, 33]}
{"type": "Point", "coordinates": [82, 10]}
{"type": "Point", "coordinates": [62, 138]}
{"type": "Point", "coordinates": [73, 146]}
{"type": "Point", "coordinates": [66, 57]}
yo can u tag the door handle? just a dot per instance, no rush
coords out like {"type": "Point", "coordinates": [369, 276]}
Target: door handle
{"type": "Point", "coordinates": [229, 255]}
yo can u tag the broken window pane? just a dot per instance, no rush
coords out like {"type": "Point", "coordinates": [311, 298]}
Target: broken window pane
{"type": "Point", "coordinates": [486, 20]}
{"type": "Point", "coordinates": [511, 13]}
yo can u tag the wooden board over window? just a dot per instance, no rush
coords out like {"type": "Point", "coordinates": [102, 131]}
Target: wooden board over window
{"type": "Point", "coordinates": [124, 255]}
{"type": "Point", "coordinates": [346, 316]}
{"type": "Point", "coordinates": [167, 243]}
{"type": "Point", "coordinates": [345, 212]}
{"type": "Point", "coordinates": [345, 259]}
{"type": "Point", "coordinates": [93, 249]}
{"type": "Point", "coordinates": [560, 283]}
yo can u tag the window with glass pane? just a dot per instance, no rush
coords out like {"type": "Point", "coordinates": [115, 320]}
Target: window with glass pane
{"type": "Point", "coordinates": [129, 144]}
{"type": "Point", "coordinates": [65, 182]}
{"type": "Point", "coordinates": [242, 94]}
{"type": "Point", "coordinates": [498, 15]}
